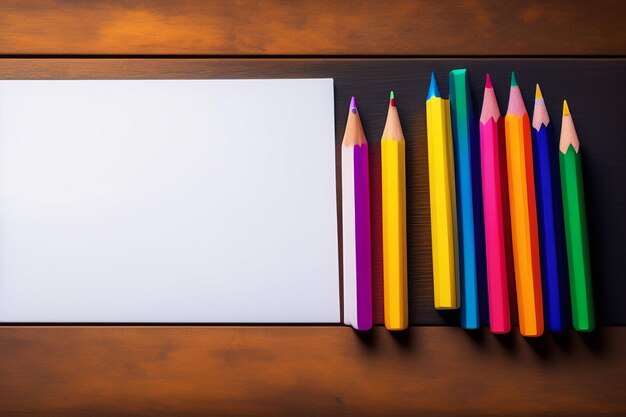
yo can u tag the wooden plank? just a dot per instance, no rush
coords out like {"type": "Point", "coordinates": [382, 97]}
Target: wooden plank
{"type": "Point", "coordinates": [323, 27]}
{"type": "Point", "coordinates": [594, 89]}
{"type": "Point", "coordinates": [287, 371]}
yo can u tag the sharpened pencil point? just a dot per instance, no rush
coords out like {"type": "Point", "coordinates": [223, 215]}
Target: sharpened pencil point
{"type": "Point", "coordinates": [488, 82]}
{"type": "Point", "coordinates": [565, 108]}
{"type": "Point", "coordinates": [540, 113]}
{"type": "Point", "coordinates": [513, 80]}
{"type": "Point", "coordinates": [353, 105]}
{"type": "Point", "coordinates": [433, 91]}
{"type": "Point", "coordinates": [392, 99]}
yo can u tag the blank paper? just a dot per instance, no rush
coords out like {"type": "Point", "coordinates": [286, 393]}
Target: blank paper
{"type": "Point", "coordinates": [168, 201]}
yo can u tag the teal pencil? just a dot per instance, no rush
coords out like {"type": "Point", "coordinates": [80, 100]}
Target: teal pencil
{"type": "Point", "coordinates": [471, 232]}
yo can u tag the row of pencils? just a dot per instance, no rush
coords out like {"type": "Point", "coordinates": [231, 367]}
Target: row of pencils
{"type": "Point", "coordinates": [508, 219]}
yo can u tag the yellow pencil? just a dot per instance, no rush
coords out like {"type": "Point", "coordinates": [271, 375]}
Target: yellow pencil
{"type": "Point", "coordinates": [442, 200]}
{"type": "Point", "coordinates": [394, 221]}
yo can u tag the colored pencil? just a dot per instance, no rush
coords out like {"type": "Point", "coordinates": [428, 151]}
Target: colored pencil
{"type": "Point", "coordinates": [471, 233]}
{"type": "Point", "coordinates": [575, 216]}
{"type": "Point", "coordinates": [523, 214]}
{"type": "Point", "coordinates": [442, 200]}
{"type": "Point", "coordinates": [357, 256]}
{"type": "Point", "coordinates": [550, 218]}
{"type": "Point", "coordinates": [494, 205]}
{"type": "Point", "coordinates": [394, 221]}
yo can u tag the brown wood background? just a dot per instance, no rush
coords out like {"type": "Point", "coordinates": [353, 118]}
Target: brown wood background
{"type": "Point", "coordinates": [311, 370]}
{"type": "Point", "coordinates": [294, 371]}
{"type": "Point", "coordinates": [319, 27]}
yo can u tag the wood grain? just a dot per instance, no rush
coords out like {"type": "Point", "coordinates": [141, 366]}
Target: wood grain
{"type": "Point", "coordinates": [287, 371]}
{"type": "Point", "coordinates": [594, 89]}
{"type": "Point", "coordinates": [322, 27]}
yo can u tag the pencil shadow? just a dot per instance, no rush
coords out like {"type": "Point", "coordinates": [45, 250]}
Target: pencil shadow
{"type": "Point", "coordinates": [595, 341]}
{"type": "Point", "coordinates": [563, 340]}
{"type": "Point", "coordinates": [366, 338]}
{"type": "Point", "coordinates": [476, 335]}
{"type": "Point", "coordinates": [404, 338]}
{"type": "Point", "coordinates": [507, 340]}
{"type": "Point", "coordinates": [540, 345]}
{"type": "Point", "coordinates": [451, 317]}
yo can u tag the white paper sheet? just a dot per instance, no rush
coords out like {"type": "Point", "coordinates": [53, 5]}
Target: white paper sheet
{"type": "Point", "coordinates": [168, 201]}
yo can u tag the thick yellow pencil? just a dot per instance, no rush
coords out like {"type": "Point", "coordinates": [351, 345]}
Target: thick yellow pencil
{"type": "Point", "coordinates": [524, 229]}
{"type": "Point", "coordinates": [442, 200]}
{"type": "Point", "coordinates": [394, 221]}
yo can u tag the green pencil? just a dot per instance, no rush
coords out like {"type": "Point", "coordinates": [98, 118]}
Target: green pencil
{"type": "Point", "coordinates": [575, 218]}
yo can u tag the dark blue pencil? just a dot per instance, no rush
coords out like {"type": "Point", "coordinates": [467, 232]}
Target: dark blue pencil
{"type": "Point", "coordinates": [550, 219]}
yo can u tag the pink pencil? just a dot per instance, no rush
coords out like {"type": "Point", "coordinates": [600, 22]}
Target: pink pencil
{"type": "Point", "coordinates": [492, 153]}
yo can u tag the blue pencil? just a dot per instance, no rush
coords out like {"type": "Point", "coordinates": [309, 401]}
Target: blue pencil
{"type": "Point", "coordinates": [471, 228]}
{"type": "Point", "coordinates": [550, 219]}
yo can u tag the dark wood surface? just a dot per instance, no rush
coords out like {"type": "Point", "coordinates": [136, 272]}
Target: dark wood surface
{"type": "Point", "coordinates": [289, 371]}
{"type": "Point", "coordinates": [321, 27]}
{"type": "Point", "coordinates": [202, 371]}
{"type": "Point", "coordinates": [594, 89]}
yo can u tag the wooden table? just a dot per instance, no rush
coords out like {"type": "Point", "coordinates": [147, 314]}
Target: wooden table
{"type": "Point", "coordinates": [432, 369]}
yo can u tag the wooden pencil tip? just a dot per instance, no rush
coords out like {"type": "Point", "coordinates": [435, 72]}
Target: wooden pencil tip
{"type": "Point", "coordinates": [353, 105]}
{"type": "Point", "coordinates": [488, 82]}
{"type": "Point", "coordinates": [540, 113]}
{"type": "Point", "coordinates": [392, 99]}
{"type": "Point", "coordinates": [568, 132]}
{"type": "Point", "coordinates": [513, 80]}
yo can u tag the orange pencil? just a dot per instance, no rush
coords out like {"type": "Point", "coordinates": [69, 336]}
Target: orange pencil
{"type": "Point", "coordinates": [524, 229]}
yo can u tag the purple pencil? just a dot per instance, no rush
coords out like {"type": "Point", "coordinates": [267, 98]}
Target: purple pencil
{"type": "Point", "coordinates": [357, 256]}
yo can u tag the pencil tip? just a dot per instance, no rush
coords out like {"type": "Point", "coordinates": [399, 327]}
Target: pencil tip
{"type": "Point", "coordinates": [488, 82]}
{"type": "Point", "coordinates": [513, 80]}
{"type": "Point", "coordinates": [538, 94]}
{"type": "Point", "coordinates": [433, 91]}
{"type": "Point", "coordinates": [392, 99]}
{"type": "Point", "coordinates": [566, 109]}
{"type": "Point", "coordinates": [353, 105]}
